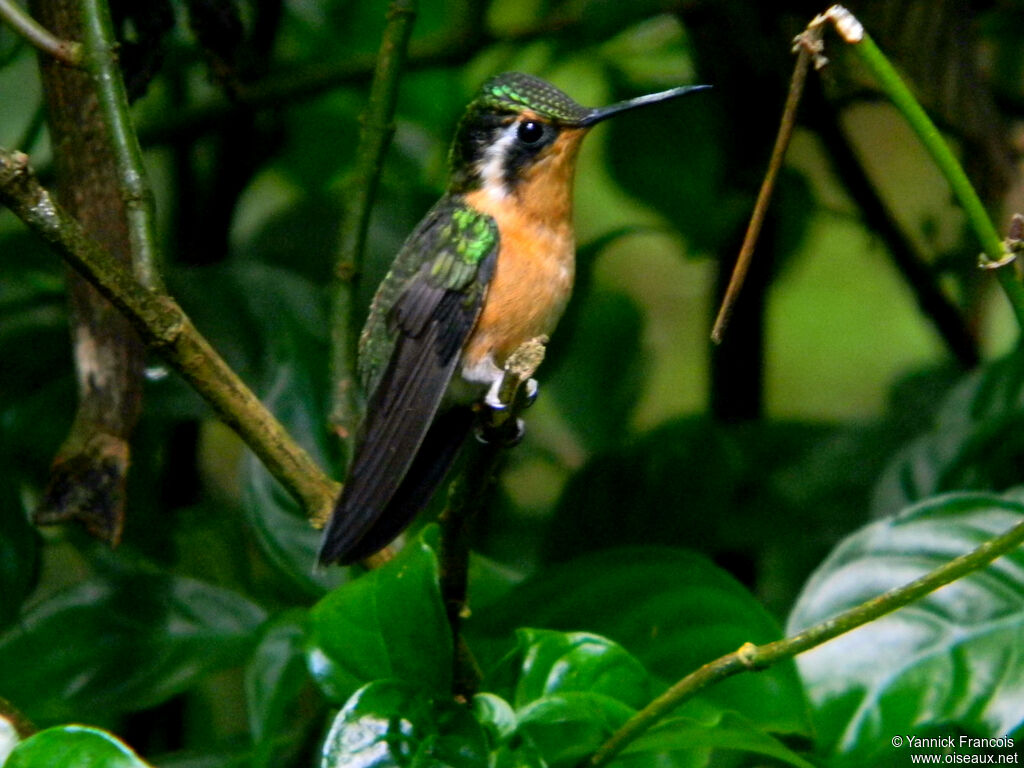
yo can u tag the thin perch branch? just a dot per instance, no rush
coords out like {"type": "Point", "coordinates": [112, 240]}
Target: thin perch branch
{"type": "Point", "coordinates": [361, 189]}
{"type": "Point", "coordinates": [166, 328]}
{"type": "Point", "coordinates": [756, 657]}
{"type": "Point", "coordinates": [101, 63]}
{"type": "Point", "coordinates": [66, 51]}
{"type": "Point", "coordinates": [499, 429]}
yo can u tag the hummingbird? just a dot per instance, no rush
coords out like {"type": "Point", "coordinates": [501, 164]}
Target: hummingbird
{"type": "Point", "coordinates": [489, 268]}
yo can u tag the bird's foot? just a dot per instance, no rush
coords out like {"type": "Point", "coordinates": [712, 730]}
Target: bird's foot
{"type": "Point", "coordinates": [507, 434]}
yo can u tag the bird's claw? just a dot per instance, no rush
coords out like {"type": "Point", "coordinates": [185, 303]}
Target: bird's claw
{"type": "Point", "coordinates": [509, 434]}
{"type": "Point", "coordinates": [530, 391]}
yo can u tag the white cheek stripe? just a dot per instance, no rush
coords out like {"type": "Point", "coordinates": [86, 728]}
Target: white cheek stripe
{"type": "Point", "coordinates": [492, 165]}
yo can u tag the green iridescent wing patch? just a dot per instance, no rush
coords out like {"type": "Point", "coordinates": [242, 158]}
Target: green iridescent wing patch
{"type": "Point", "coordinates": [443, 254]}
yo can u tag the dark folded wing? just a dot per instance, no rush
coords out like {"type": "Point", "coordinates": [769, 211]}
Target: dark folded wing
{"type": "Point", "coordinates": [429, 322]}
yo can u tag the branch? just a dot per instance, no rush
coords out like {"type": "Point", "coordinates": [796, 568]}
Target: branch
{"type": "Point", "coordinates": [809, 45]}
{"type": "Point", "coordinates": [101, 63]}
{"type": "Point", "coordinates": [931, 299]}
{"type": "Point", "coordinates": [757, 657]}
{"type": "Point", "coordinates": [165, 327]}
{"type": "Point", "coordinates": [852, 32]}
{"type": "Point", "coordinates": [499, 429]}
{"type": "Point", "coordinates": [764, 195]}
{"type": "Point", "coordinates": [65, 51]}
{"type": "Point", "coordinates": [374, 139]}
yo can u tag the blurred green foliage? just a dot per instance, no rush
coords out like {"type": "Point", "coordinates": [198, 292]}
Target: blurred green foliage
{"type": "Point", "coordinates": [641, 529]}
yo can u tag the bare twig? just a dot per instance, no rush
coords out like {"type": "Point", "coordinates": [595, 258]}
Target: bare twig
{"type": "Point", "coordinates": [165, 327]}
{"type": "Point", "coordinates": [65, 51]}
{"type": "Point", "coordinates": [808, 46]}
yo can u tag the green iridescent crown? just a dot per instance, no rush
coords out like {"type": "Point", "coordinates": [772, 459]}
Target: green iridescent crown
{"type": "Point", "coordinates": [516, 91]}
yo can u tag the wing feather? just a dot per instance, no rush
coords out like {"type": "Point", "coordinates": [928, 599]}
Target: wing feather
{"type": "Point", "coordinates": [427, 324]}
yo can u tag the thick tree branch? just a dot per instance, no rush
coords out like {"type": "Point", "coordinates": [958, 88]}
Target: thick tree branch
{"type": "Point", "coordinates": [377, 128]}
{"type": "Point", "coordinates": [165, 327]}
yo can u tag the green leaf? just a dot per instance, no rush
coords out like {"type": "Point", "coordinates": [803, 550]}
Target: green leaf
{"type": "Point", "coordinates": [702, 737]}
{"type": "Point", "coordinates": [948, 659]}
{"type": "Point", "coordinates": [672, 609]}
{"type": "Point", "coordinates": [9, 737]}
{"type": "Point", "coordinates": [275, 679]}
{"type": "Point", "coordinates": [18, 551]}
{"type": "Point", "coordinates": [694, 477]}
{"type": "Point", "coordinates": [566, 727]}
{"type": "Point", "coordinates": [546, 662]}
{"type": "Point", "coordinates": [598, 381]}
{"type": "Point", "coordinates": [496, 715]}
{"type": "Point", "coordinates": [388, 623]}
{"type": "Point", "coordinates": [73, 746]}
{"type": "Point", "coordinates": [121, 643]}
{"type": "Point", "coordinates": [394, 723]}
{"type": "Point", "coordinates": [975, 443]}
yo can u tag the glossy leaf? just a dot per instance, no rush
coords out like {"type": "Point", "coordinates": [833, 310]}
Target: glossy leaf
{"type": "Point", "coordinates": [546, 662]}
{"type": "Point", "coordinates": [566, 727]}
{"type": "Point", "coordinates": [702, 737]}
{"type": "Point", "coordinates": [8, 737]}
{"type": "Point", "coordinates": [975, 443]}
{"type": "Point", "coordinates": [496, 715]}
{"type": "Point", "coordinates": [568, 692]}
{"type": "Point", "coordinates": [121, 643]}
{"type": "Point", "coordinates": [18, 552]}
{"type": "Point", "coordinates": [394, 723]}
{"type": "Point", "coordinates": [73, 746]}
{"type": "Point", "coordinates": [947, 659]}
{"type": "Point", "coordinates": [672, 609]}
{"type": "Point", "coordinates": [275, 678]}
{"type": "Point", "coordinates": [388, 623]}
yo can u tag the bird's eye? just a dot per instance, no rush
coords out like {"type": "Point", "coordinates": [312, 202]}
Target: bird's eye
{"type": "Point", "coordinates": [530, 132]}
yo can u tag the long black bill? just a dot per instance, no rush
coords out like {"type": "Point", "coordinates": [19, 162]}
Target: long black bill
{"type": "Point", "coordinates": [601, 113]}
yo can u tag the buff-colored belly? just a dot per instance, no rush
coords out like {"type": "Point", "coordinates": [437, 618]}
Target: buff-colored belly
{"type": "Point", "coordinates": [527, 295]}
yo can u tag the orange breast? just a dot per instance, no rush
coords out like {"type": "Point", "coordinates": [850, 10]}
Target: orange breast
{"type": "Point", "coordinates": [537, 257]}
{"type": "Point", "coordinates": [528, 293]}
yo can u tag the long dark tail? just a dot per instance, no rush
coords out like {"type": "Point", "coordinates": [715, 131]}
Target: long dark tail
{"type": "Point", "coordinates": [344, 544]}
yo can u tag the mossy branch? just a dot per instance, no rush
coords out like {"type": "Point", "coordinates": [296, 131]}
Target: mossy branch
{"type": "Point", "coordinates": [377, 129]}
{"type": "Point", "coordinates": [756, 657]}
{"type": "Point", "coordinates": [165, 327]}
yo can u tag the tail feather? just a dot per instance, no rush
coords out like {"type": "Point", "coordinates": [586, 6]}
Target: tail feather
{"type": "Point", "coordinates": [435, 457]}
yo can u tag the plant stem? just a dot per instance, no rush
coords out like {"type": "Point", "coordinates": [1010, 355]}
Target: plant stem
{"type": "Point", "coordinates": [374, 138]}
{"type": "Point", "coordinates": [764, 195]}
{"type": "Point", "coordinates": [166, 328]}
{"type": "Point", "coordinates": [978, 219]}
{"type": "Point", "coordinates": [500, 429]}
{"type": "Point", "coordinates": [66, 51]}
{"type": "Point", "coordinates": [101, 63]}
{"type": "Point", "coordinates": [756, 657]}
